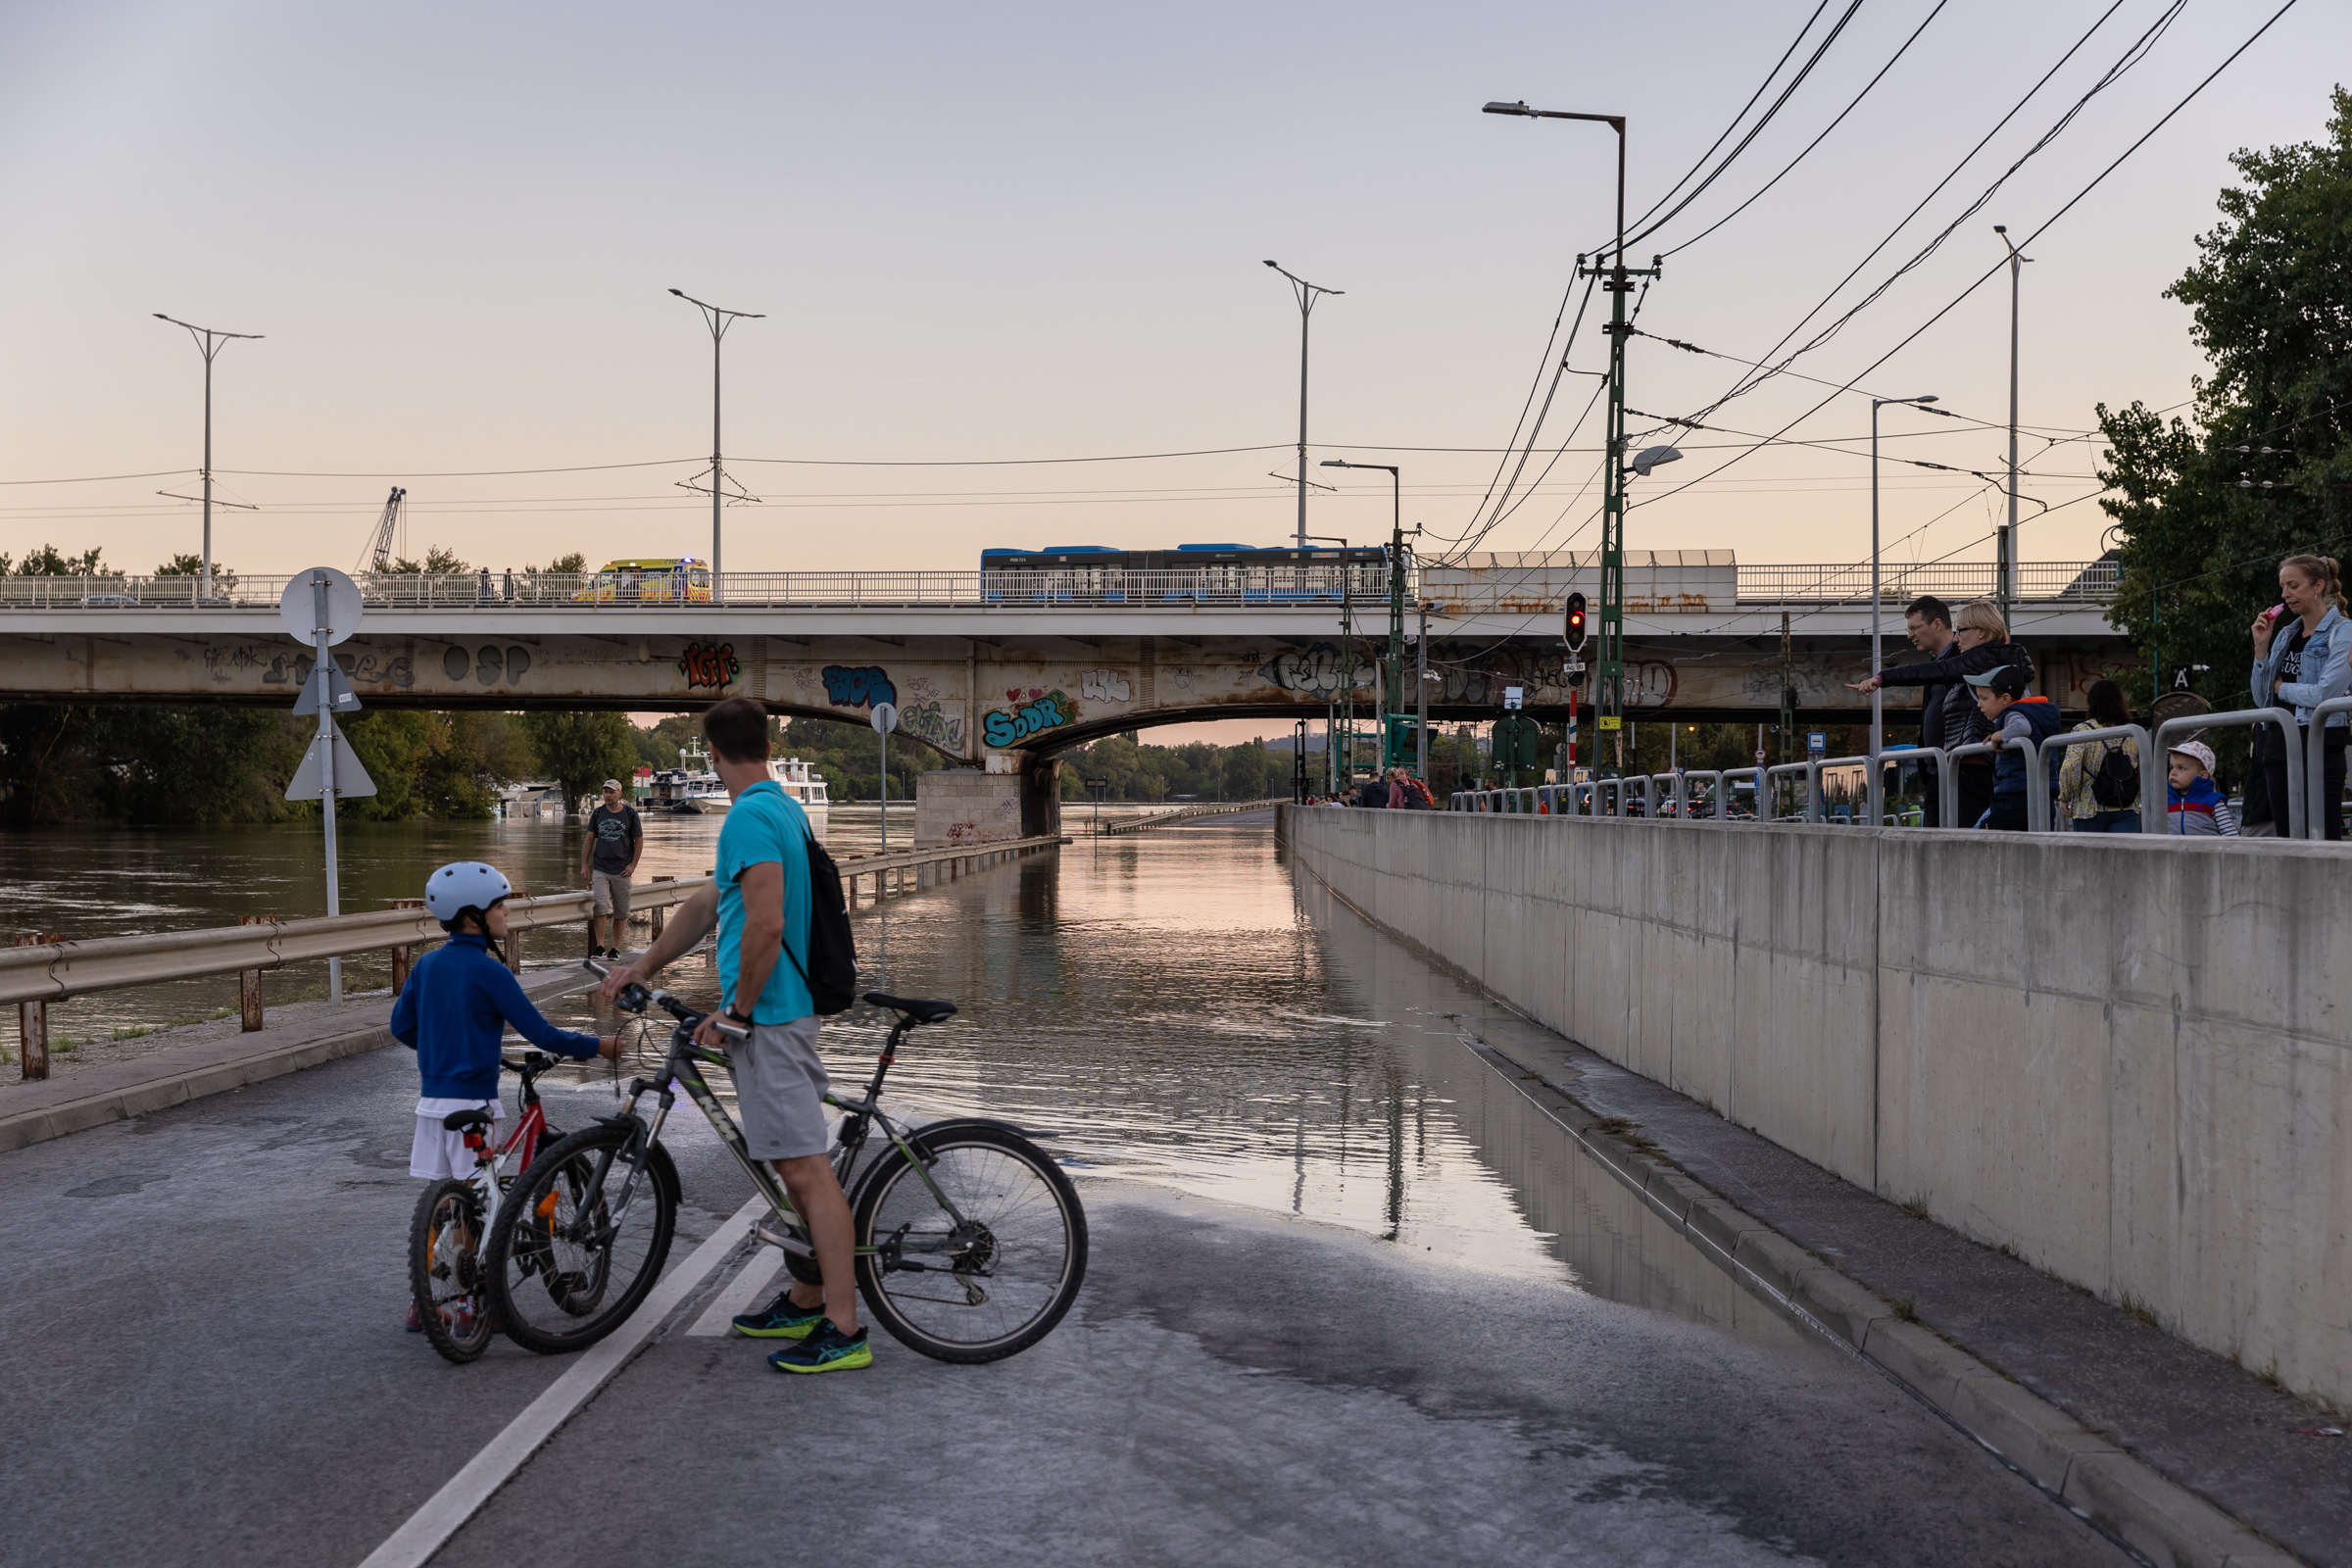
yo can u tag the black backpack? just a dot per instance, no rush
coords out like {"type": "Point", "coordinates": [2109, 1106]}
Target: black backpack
{"type": "Point", "coordinates": [831, 972]}
{"type": "Point", "coordinates": [2116, 784]}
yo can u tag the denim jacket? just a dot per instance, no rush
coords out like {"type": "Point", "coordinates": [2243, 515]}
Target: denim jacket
{"type": "Point", "coordinates": [2328, 651]}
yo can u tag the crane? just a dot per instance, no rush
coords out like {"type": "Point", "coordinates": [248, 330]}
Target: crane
{"type": "Point", "coordinates": [378, 555]}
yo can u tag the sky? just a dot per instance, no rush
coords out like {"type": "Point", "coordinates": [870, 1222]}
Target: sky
{"type": "Point", "coordinates": [1035, 230]}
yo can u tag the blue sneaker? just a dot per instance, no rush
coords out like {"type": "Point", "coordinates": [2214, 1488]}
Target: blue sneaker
{"type": "Point", "coordinates": [825, 1350]}
{"type": "Point", "coordinates": [779, 1319]}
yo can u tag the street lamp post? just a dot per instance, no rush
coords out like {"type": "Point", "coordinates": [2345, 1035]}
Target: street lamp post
{"type": "Point", "coordinates": [718, 318]}
{"type": "Point", "coordinates": [1392, 688]}
{"type": "Point", "coordinates": [208, 344]}
{"type": "Point", "coordinates": [1307, 294]}
{"type": "Point", "coordinates": [1875, 791]}
{"type": "Point", "coordinates": [2006, 558]}
{"type": "Point", "coordinates": [1608, 689]}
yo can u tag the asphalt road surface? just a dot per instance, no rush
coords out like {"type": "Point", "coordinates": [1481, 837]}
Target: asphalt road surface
{"type": "Point", "coordinates": [205, 1307]}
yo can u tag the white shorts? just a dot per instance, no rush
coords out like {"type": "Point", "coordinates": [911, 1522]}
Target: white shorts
{"type": "Point", "coordinates": [437, 1152]}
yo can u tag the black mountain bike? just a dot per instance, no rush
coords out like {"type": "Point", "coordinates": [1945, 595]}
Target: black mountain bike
{"type": "Point", "coordinates": [970, 1241]}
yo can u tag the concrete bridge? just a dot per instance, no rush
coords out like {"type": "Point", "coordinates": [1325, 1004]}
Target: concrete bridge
{"type": "Point", "coordinates": [979, 672]}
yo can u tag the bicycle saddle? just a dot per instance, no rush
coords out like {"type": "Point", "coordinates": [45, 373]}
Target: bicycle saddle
{"type": "Point", "coordinates": [457, 1121]}
{"type": "Point", "coordinates": [917, 1009]}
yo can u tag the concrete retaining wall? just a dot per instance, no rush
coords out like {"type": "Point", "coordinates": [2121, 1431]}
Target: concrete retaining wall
{"type": "Point", "coordinates": [2125, 1058]}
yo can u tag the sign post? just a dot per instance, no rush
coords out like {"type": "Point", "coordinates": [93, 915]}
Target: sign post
{"type": "Point", "coordinates": [320, 607]}
{"type": "Point", "coordinates": [885, 719]}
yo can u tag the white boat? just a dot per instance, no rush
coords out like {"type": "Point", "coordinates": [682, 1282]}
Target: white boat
{"type": "Point", "coordinates": [690, 787]}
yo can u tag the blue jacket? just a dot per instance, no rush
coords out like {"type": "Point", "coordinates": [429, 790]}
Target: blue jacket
{"type": "Point", "coordinates": [2327, 652]}
{"type": "Point", "coordinates": [453, 1013]}
{"type": "Point", "coordinates": [2039, 715]}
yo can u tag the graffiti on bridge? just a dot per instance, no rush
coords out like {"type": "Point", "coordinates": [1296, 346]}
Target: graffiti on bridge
{"type": "Point", "coordinates": [1046, 711]}
{"type": "Point", "coordinates": [1104, 686]}
{"type": "Point", "coordinates": [858, 685]}
{"type": "Point", "coordinates": [488, 663]}
{"type": "Point", "coordinates": [711, 664]}
{"type": "Point", "coordinates": [931, 721]}
{"type": "Point", "coordinates": [1316, 671]}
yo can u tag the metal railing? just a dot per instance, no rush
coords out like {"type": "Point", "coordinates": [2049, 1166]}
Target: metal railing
{"type": "Point", "coordinates": [2085, 582]}
{"type": "Point", "coordinates": [2290, 735]}
{"type": "Point", "coordinates": [2319, 809]}
{"type": "Point", "coordinates": [1188, 814]}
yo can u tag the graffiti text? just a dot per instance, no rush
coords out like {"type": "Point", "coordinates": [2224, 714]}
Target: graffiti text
{"type": "Point", "coordinates": [1000, 728]}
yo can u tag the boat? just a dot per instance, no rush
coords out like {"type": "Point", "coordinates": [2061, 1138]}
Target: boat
{"type": "Point", "coordinates": [692, 788]}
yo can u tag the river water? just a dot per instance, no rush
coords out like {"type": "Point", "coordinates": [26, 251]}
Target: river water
{"type": "Point", "coordinates": [1172, 1007]}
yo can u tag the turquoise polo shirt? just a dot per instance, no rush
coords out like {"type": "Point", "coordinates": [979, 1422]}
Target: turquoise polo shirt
{"type": "Point", "coordinates": [766, 825]}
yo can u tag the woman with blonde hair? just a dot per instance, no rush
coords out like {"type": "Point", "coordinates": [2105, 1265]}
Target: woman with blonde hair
{"type": "Point", "coordinates": [1982, 643]}
{"type": "Point", "coordinates": [2303, 657]}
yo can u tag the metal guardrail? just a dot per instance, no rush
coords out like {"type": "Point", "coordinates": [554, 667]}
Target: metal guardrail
{"type": "Point", "coordinates": [1186, 813]}
{"type": "Point", "coordinates": [2083, 582]}
{"type": "Point", "coordinates": [883, 866]}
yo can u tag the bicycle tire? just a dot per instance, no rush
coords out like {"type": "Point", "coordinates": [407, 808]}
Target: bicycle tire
{"type": "Point", "coordinates": [555, 1290]}
{"type": "Point", "coordinates": [446, 1275]}
{"type": "Point", "coordinates": [1012, 1281]}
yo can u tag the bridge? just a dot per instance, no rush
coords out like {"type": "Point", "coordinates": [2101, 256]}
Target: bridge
{"type": "Point", "coordinates": [974, 668]}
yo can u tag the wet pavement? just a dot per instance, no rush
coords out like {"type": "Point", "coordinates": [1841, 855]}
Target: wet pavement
{"type": "Point", "coordinates": [1353, 1299]}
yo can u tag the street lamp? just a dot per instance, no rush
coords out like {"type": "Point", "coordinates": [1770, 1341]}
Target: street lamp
{"type": "Point", "coordinates": [2004, 570]}
{"type": "Point", "coordinates": [1391, 690]}
{"type": "Point", "coordinates": [208, 344]}
{"type": "Point", "coordinates": [718, 318]}
{"type": "Point", "coordinates": [1877, 790]}
{"type": "Point", "coordinates": [1307, 294]}
{"type": "Point", "coordinates": [1608, 689]}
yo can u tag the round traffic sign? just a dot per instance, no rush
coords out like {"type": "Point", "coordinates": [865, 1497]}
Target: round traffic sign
{"type": "Point", "coordinates": [884, 717]}
{"type": "Point", "coordinates": [298, 606]}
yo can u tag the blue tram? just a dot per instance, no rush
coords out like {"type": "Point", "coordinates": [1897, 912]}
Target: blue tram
{"type": "Point", "coordinates": [1195, 573]}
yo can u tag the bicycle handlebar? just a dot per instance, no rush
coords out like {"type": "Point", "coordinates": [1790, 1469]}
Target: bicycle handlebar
{"type": "Point", "coordinates": [635, 998]}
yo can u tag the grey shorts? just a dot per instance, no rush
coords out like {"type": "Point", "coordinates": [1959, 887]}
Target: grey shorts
{"type": "Point", "coordinates": [779, 1089]}
{"type": "Point", "coordinates": [611, 890]}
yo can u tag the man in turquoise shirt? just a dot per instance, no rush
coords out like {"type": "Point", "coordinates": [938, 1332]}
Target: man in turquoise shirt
{"type": "Point", "coordinates": [759, 903]}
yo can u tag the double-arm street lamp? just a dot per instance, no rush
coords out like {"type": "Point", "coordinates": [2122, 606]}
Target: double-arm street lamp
{"type": "Point", "coordinates": [208, 343]}
{"type": "Point", "coordinates": [1877, 789]}
{"type": "Point", "coordinates": [718, 318]}
{"type": "Point", "coordinates": [1307, 294]}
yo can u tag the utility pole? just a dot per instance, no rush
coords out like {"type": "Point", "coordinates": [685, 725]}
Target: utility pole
{"type": "Point", "coordinates": [1608, 692]}
{"type": "Point", "coordinates": [1307, 294]}
{"type": "Point", "coordinates": [1392, 694]}
{"type": "Point", "coordinates": [208, 344]}
{"type": "Point", "coordinates": [1788, 697]}
{"type": "Point", "coordinates": [1421, 706]}
{"type": "Point", "coordinates": [1874, 794]}
{"type": "Point", "coordinates": [718, 318]}
{"type": "Point", "coordinates": [2005, 557]}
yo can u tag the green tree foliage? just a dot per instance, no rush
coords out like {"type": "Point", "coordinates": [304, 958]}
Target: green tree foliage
{"type": "Point", "coordinates": [184, 565]}
{"type": "Point", "coordinates": [1249, 771]}
{"type": "Point", "coordinates": [2271, 301]}
{"type": "Point", "coordinates": [447, 765]}
{"type": "Point", "coordinates": [49, 562]}
{"type": "Point", "coordinates": [581, 750]}
{"type": "Point", "coordinates": [65, 763]}
{"type": "Point", "coordinates": [562, 565]}
{"type": "Point", "coordinates": [438, 562]}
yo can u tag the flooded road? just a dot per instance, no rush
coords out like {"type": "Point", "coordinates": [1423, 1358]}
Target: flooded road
{"type": "Point", "coordinates": [1353, 1299]}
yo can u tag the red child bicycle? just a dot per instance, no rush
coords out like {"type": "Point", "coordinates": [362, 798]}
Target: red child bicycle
{"type": "Point", "coordinates": [445, 1240]}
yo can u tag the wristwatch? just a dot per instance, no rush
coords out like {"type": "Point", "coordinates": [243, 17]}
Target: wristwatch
{"type": "Point", "coordinates": [738, 1018]}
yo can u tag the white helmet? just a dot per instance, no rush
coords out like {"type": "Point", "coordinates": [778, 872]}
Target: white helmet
{"type": "Point", "coordinates": [464, 885]}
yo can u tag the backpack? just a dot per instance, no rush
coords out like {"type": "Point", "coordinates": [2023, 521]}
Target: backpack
{"type": "Point", "coordinates": [831, 972]}
{"type": "Point", "coordinates": [2116, 784]}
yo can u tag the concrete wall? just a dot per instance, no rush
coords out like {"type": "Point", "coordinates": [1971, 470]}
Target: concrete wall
{"type": "Point", "coordinates": [2129, 1060]}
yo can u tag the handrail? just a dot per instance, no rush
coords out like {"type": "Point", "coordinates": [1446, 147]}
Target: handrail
{"type": "Point", "coordinates": [2290, 735]}
{"type": "Point", "coordinates": [52, 971]}
{"type": "Point", "coordinates": [2315, 772]}
{"type": "Point", "coordinates": [2151, 787]}
{"type": "Point", "coordinates": [1714, 777]}
{"type": "Point", "coordinates": [1186, 813]}
{"type": "Point", "coordinates": [1951, 795]}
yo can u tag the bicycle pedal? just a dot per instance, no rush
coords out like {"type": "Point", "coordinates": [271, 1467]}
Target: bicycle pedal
{"type": "Point", "coordinates": [765, 1234]}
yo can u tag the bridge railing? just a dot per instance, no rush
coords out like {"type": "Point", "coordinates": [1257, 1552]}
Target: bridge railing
{"type": "Point", "coordinates": [2087, 583]}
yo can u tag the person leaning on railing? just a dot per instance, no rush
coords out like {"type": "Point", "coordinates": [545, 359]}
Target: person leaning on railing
{"type": "Point", "coordinates": [1979, 642]}
{"type": "Point", "coordinates": [2303, 657]}
{"type": "Point", "coordinates": [2092, 769]}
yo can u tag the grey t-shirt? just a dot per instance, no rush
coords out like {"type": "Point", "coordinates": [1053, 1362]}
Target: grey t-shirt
{"type": "Point", "coordinates": [617, 834]}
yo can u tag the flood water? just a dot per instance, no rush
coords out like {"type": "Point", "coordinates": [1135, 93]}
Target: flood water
{"type": "Point", "coordinates": [1175, 1006]}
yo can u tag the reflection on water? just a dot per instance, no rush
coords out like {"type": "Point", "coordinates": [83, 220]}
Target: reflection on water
{"type": "Point", "coordinates": [1171, 1007]}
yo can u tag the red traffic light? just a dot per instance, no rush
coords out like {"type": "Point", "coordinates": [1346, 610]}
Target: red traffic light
{"type": "Point", "coordinates": [1576, 624]}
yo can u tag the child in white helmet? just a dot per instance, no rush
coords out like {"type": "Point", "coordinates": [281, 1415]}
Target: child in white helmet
{"type": "Point", "coordinates": [453, 1012]}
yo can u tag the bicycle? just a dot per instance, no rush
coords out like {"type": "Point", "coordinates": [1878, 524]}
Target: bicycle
{"type": "Point", "coordinates": [970, 1241]}
{"type": "Point", "coordinates": [445, 1256]}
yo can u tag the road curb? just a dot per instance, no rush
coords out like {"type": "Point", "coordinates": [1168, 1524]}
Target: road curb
{"type": "Point", "coordinates": [2130, 1500]}
{"type": "Point", "coordinates": [38, 1125]}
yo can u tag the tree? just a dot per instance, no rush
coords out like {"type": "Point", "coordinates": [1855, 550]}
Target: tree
{"type": "Point", "coordinates": [184, 565]}
{"type": "Point", "coordinates": [46, 561]}
{"type": "Point", "coordinates": [438, 562]}
{"type": "Point", "coordinates": [562, 565]}
{"type": "Point", "coordinates": [580, 751]}
{"type": "Point", "coordinates": [2271, 303]}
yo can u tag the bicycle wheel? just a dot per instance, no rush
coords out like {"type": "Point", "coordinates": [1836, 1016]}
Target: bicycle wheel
{"type": "Point", "coordinates": [569, 1260]}
{"type": "Point", "coordinates": [991, 1286]}
{"type": "Point", "coordinates": [445, 1270]}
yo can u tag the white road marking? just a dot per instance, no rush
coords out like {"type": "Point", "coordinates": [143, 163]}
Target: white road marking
{"type": "Point", "coordinates": [431, 1525]}
{"type": "Point", "coordinates": [740, 1291]}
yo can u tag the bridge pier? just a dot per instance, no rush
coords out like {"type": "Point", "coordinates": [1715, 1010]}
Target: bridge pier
{"type": "Point", "coordinates": [1017, 796]}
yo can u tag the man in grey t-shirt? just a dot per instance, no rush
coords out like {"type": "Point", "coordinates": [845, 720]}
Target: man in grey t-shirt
{"type": "Point", "coordinates": [607, 859]}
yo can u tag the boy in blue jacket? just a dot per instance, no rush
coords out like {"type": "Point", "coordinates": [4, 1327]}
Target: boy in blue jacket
{"type": "Point", "coordinates": [453, 1012]}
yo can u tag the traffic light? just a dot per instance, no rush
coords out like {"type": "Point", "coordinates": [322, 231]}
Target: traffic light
{"type": "Point", "coordinates": [1576, 624]}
